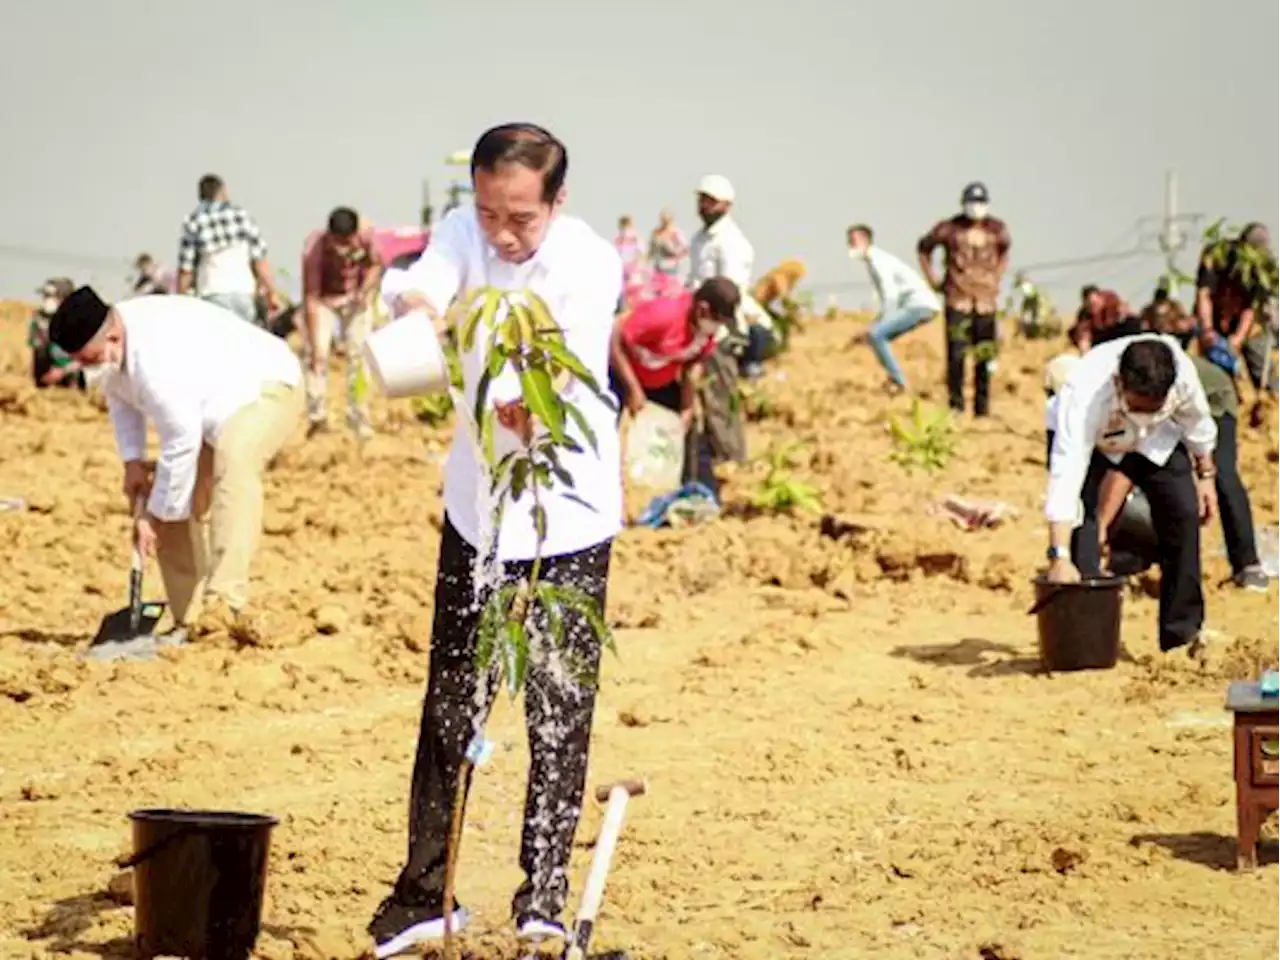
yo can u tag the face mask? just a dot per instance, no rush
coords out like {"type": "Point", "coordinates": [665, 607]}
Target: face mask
{"type": "Point", "coordinates": [1141, 420]}
{"type": "Point", "coordinates": [856, 254]}
{"type": "Point", "coordinates": [112, 360]}
{"type": "Point", "coordinates": [975, 211]}
{"type": "Point", "coordinates": [48, 306]}
{"type": "Point", "coordinates": [1186, 338]}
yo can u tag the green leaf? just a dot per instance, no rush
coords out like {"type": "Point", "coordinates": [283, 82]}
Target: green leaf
{"type": "Point", "coordinates": [567, 359]}
{"type": "Point", "coordinates": [482, 313]}
{"type": "Point", "coordinates": [519, 479]}
{"type": "Point", "coordinates": [516, 642]}
{"type": "Point", "coordinates": [496, 361]}
{"type": "Point", "coordinates": [482, 398]}
{"type": "Point", "coordinates": [584, 428]}
{"type": "Point", "coordinates": [542, 402]}
{"type": "Point", "coordinates": [489, 626]}
{"type": "Point", "coordinates": [578, 500]}
{"type": "Point", "coordinates": [551, 607]}
{"type": "Point", "coordinates": [581, 603]}
{"type": "Point", "coordinates": [539, 521]}
{"type": "Point", "coordinates": [488, 427]}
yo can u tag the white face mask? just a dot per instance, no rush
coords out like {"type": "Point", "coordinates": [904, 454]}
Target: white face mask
{"type": "Point", "coordinates": [1141, 420]}
{"type": "Point", "coordinates": [856, 254]}
{"type": "Point", "coordinates": [48, 305]}
{"type": "Point", "coordinates": [975, 211]}
{"type": "Point", "coordinates": [111, 363]}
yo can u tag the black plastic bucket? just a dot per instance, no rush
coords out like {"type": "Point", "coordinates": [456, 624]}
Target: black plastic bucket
{"type": "Point", "coordinates": [1079, 623]}
{"type": "Point", "coordinates": [198, 882]}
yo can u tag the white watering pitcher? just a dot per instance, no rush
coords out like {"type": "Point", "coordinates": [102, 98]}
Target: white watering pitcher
{"type": "Point", "coordinates": [406, 358]}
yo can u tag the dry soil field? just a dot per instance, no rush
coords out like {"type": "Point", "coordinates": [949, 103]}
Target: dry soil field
{"type": "Point", "coordinates": [850, 748]}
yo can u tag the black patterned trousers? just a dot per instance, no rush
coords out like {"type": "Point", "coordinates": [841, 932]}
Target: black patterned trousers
{"type": "Point", "coordinates": [558, 713]}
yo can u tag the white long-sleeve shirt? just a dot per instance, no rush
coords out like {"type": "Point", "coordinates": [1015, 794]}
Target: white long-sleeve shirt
{"type": "Point", "coordinates": [189, 366]}
{"type": "Point", "coordinates": [723, 250]}
{"type": "Point", "coordinates": [898, 286]}
{"type": "Point", "coordinates": [579, 275]}
{"type": "Point", "coordinates": [1086, 415]}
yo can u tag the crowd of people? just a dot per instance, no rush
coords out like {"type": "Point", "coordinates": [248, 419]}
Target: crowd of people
{"type": "Point", "coordinates": [1128, 405]}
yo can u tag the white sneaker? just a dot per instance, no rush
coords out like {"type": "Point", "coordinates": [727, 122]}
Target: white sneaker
{"type": "Point", "coordinates": [424, 932]}
{"type": "Point", "coordinates": [537, 929]}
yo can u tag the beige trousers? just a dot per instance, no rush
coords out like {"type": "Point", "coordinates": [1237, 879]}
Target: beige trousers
{"type": "Point", "coordinates": [210, 553]}
{"type": "Point", "coordinates": [357, 324]}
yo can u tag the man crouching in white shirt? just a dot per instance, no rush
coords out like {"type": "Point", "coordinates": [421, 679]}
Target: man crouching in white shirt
{"type": "Point", "coordinates": [1135, 405]}
{"type": "Point", "coordinates": [220, 419]}
{"type": "Point", "coordinates": [513, 238]}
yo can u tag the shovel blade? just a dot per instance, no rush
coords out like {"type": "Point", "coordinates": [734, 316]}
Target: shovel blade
{"type": "Point", "coordinates": [116, 628]}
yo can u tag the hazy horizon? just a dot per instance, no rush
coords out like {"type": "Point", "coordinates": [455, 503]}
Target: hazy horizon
{"type": "Point", "coordinates": [820, 112]}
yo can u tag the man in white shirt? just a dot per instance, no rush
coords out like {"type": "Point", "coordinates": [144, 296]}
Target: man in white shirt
{"type": "Point", "coordinates": [906, 301]}
{"type": "Point", "coordinates": [514, 237]}
{"type": "Point", "coordinates": [223, 397]}
{"type": "Point", "coordinates": [721, 249]}
{"type": "Point", "coordinates": [222, 256]}
{"type": "Point", "coordinates": [1135, 405]}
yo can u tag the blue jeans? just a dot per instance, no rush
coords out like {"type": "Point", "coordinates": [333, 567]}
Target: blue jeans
{"type": "Point", "coordinates": [890, 326]}
{"type": "Point", "coordinates": [241, 304]}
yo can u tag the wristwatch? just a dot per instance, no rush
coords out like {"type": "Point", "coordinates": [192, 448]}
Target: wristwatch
{"type": "Point", "coordinates": [1058, 552]}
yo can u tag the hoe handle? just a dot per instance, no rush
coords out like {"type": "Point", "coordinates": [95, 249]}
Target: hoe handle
{"type": "Point", "coordinates": [617, 795]}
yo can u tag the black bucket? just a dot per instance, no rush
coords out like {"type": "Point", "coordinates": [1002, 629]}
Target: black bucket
{"type": "Point", "coordinates": [1079, 623]}
{"type": "Point", "coordinates": [198, 882]}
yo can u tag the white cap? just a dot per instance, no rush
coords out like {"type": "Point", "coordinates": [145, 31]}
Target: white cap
{"type": "Point", "coordinates": [716, 187]}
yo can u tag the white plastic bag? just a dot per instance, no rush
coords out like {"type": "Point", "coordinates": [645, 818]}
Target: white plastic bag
{"type": "Point", "coordinates": [655, 448]}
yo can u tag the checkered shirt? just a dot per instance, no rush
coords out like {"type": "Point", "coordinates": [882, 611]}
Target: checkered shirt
{"type": "Point", "coordinates": [215, 226]}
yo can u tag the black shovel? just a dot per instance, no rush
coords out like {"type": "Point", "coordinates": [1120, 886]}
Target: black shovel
{"type": "Point", "coordinates": [128, 633]}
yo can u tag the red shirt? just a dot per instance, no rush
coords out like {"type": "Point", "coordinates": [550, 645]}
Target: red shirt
{"type": "Point", "coordinates": [333, 274]}
{"type": "Point", "coordinates": [660, 342]}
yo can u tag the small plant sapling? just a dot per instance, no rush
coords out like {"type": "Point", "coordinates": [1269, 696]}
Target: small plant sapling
{"type": "Point", "coordinates": [1253, 267]}
{"type": "Point", "coordinates": [927, 442]}
{"type": "Point", "coordinates": [779, 491]}
{"type": "Point", "coordinates": [520, 334]}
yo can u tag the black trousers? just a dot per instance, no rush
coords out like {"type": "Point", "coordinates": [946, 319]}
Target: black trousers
{"type": "Point", "coordinates": [1175, 514]}
{"type": "Point", "coordinates": [761, 344]}
{"type": "Point", "coordinates": [557, 717]}
{"type": "Point", "coordinates": [1233, 500]}
{"type": "Point", "coordinates": [965, 331]}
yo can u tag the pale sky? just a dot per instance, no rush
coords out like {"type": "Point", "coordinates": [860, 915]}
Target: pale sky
{"type": "Point", "coordinates": [821, 112]}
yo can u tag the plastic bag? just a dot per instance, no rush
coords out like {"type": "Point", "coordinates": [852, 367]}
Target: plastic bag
{"type": "Point", "coordinates": [655, 448]}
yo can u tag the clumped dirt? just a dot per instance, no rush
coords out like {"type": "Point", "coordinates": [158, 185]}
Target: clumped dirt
{"type": "Point", "coordinates": [850, 747]}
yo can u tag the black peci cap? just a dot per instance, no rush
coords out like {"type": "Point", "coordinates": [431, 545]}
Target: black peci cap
{"type": "Point", "coordinates": [78, 319]}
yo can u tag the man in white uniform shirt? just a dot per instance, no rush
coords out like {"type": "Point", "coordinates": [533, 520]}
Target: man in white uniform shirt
{"type": "Point", "coordinates": [906, 301]}
{"type": "Point", "coordinates": [1135, 405]}
{"type": "Point", "coordinates": [223, 397]}
{"type": "Point", "coordinates": [721, 249]}
{"type": "Point", "coordinates": [514, 237]}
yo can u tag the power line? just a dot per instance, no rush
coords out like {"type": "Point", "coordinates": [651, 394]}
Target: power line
{"type": "Point", "coordinates": [38, 254]}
